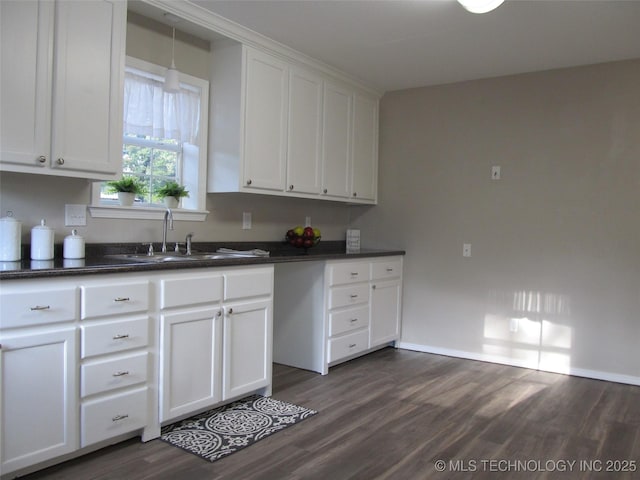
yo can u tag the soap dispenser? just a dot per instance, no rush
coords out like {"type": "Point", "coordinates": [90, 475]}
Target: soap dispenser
{"type": "Point", "coordinates": [42, 241]}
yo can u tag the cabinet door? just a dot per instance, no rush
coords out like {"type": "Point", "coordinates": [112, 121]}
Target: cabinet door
{"type": "Point", "coordinates": [39, 398]}
{"type": "Point", "coordinates": [365, 148]}
{"type": "Point", "coordinates": [246, 348]}
{"type": "Point", "coordinates": [385, 312]}
{"type": "Point", "coordinates": [88, 83]}
{"type": "Point", "coordinates": [305, 132]}
{"type": "Point", "coordinates": [189, 372]}
{"type": "Point", "coordinates": [336, 141]}
{"type": "Point", "coordinates": [26, 35]}
{"type": "Point", "coordinates": [265, 124]}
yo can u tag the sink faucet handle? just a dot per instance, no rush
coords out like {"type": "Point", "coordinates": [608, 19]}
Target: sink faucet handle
{"type": "Point", "coordinates": [176, 249]}
{"type": "Point", "coordinates": [150, 251]}
{"type": "Point", "coordinates": [188, 242]}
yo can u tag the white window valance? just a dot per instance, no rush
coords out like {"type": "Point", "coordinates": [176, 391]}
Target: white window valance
{"type": "Point", "coordinates": [149, 110]}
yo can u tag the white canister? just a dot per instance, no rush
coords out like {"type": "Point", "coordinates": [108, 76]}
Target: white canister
{"type": "Point", "coordinates": [73, 246]}
{"type": "Point", "coordinates": [10, 233]}
{"type": "Point", "coordinates": [42, 242]}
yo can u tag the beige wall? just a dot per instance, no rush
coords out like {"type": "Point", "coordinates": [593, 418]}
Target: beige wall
{"type": "Point", "coordinates": [555, 243]}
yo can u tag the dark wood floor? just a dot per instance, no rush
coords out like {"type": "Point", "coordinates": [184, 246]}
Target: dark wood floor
{"type": "Point", "coordinates": [394, 413]}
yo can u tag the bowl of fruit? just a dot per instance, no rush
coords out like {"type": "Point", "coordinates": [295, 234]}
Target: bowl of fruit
{"type": "Point", "coordinates": [303, 237]}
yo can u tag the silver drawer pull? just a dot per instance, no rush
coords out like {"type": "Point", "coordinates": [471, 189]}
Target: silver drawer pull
{"type": "Point", "coordinates": [353, 320]}
{"type": "Point", "coordinates": [121, 337]}
{"type": "Point", "coordinates": [353, 295]}
{"type": "Point", "coordinates": [354, 274]}
{"type": "Point", "coordinates": [230, 311]}
{"type": "Point", "coordinates": [351, 345]}
{"type": "Point", "coordinates": [40, 307]}
{"type": "Point", "coordinates": [120, 374]}
{"type": "Point", "coordinates": [121, 299]}
{"type": "Point", "coordinates": [389, 269]}
{"type": "Point", "coordinates": [119, 417]}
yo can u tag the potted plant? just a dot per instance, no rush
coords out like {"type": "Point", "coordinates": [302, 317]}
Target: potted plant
{"type": "Point", "coordinates": [172, 192]}
{"type": "Point", "coordinates": [127, 188]}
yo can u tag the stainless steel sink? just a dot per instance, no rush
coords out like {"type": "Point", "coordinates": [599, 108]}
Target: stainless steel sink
{"type": "Point", "coordinates": [176, 257]}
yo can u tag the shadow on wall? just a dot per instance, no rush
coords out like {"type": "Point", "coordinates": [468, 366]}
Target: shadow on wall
{"type": "Point", "coordinates": [530, 328]}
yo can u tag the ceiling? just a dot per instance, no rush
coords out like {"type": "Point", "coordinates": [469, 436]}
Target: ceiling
{"type": "Point", "coordinates": [397, 44]}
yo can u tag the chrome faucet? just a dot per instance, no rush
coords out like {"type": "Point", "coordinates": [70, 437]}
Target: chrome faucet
{"type": "Point", "coordinates": [188, 242]}
{"type": "Point", "coordinates": [167, 222]}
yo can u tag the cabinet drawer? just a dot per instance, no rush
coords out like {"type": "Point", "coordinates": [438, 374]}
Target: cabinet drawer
{"type": "Point", "coordinates": [348, 295]}
{"type": "Point", "coordinates": [347, 345]}
{"type": "Point", "coordinates": [109, 337]}
{"type": "Point", "coordinates": [111, 374]}
{"type": "Point", "coordinates": [391, 268]}
{"type": "Point", "coordinates": [346, 320]}
{"type": "Point", "coordinates": [38, 307]}
{"type": "Point", "coordinates": [116, 299]}
{"type": "Point", "coordinates": [178, 292]}
{"type": "Point", "coordinates": [340, 273]}
{"type": "Point", "coordinates": [111, 416]}
{"type": "Point", "coordinates": [248, 284]}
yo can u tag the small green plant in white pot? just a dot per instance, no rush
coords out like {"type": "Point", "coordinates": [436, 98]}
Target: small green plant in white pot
{"type": "Point", "coordinates": [172, 192]}
{"type": "Point", "coordinates": [127, 188]}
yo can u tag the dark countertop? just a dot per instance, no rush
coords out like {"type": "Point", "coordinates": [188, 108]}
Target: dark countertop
{"type": "Point", "coordinates": [99, 258]}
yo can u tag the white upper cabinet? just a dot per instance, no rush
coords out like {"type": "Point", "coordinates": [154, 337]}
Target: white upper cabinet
{"type": "Point", "coordinates": [364, 173]}
{"type": "Point", "coordinates": [282, 128]}
{"type": "Point", "coordinates": [304, 149]}
{"type": "Point", "coordinates": [62, 65]}
{"type": "Point", "coordinates": [336, 143]}
{"type": "Point", "coordinates": [265, 132]}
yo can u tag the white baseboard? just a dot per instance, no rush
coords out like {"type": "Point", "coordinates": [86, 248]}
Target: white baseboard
{"type": "Point", "coordinates": [578, 372]}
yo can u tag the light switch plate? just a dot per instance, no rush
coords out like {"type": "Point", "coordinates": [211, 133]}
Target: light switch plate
{"type": "Point", "coordinates": [75, 215]}
{"type": "Point", "coordinates": [246, 220]}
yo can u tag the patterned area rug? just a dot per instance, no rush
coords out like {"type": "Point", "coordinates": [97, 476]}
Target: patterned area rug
{"type": "Point", "coordinates": [220, 432]}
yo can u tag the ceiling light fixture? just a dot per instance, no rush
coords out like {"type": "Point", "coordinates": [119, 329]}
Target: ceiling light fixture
{"type": "Point", "coordinates": [480, 6]}
{"type": "Point", "coordinates": [172, 76]}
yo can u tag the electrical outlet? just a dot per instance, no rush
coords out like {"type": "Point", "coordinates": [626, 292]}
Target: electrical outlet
{"type": "Point", "coordinates": [513, 325]}
{"type": "Point", "coordinates": [246, 220]}
{"type": "Point", "coordinates": [495, 172]}
{"type": "Point", "coordinates": [75, 215]}
{"type": "Point", "coordinates": [466, 249]}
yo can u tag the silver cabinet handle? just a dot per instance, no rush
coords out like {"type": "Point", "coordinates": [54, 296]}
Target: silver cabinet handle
{"type": "Point", "coordinates": [354, 274]}
{"type": "Point", "coordinates": [389, 269]}
{"type": "Point", "coordinates": [373, 287]}
{"type": "Point", "coordinates": [353, 295]}
{"type": "Point", "coordinates": [120, 374]}
{"type": "Point", "coordinates": [119, 417]}
{"type": "Point", "coordinates": [121, 299]}
{"type": "Point", "coordinates": [60, 161]}
{"type": "Point", "coordinates": [353, 320]}
{"type": "Point", "coordinates": [230, 311]}
{"type": "Point", "coordinates": [351, 345]}
{"type": "Point", "coordinates": [40, 307]}
{"type": "Point", "coordinates": [42, 159]}
{"type": "Point", "coordinates": [219, 313]}
{"type": "Point", "coordinates": [249, 182]}
{"type": "Point", "coordinates": [325, 190]}
{"type": "Point", "coordinates": [355, 194]}
{"type": "Point", "coordinates": [121, 337]}
{"type": "Point", "coordinates": [290, 187]}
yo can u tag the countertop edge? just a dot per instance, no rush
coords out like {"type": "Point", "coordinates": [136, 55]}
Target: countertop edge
{"type": "Point", "coordinates": [168, 266]}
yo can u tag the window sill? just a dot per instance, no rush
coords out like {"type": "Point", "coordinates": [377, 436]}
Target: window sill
{"type": "Point", "coordinates": [145, 213]}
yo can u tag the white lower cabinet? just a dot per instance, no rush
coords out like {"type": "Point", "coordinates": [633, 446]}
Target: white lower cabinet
{"type": "Point", "coordinates": [215, 338]}
{"type": "Point", "coordinates": [39, 397]}
{"type": "Point", "coordinates": [330, 312]}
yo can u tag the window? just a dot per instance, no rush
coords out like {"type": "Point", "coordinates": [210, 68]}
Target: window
{"type": "Point", "coordinates": [164, 138]}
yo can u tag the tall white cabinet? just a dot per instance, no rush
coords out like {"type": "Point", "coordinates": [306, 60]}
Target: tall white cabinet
{"type": "Point", "coordinates": [61, 87]}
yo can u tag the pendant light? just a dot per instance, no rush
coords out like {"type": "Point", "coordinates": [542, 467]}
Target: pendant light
{"type": "Point", "coordinates": [480, 6]}
{"type": "Point", "coordinates": [171, 78]}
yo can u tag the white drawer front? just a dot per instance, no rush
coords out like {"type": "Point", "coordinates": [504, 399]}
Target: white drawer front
{"type": "Point", "coordinates": [248, 284]}
{"type": "Point", "coordinates": [112, 374]}
{"type": "Point", "coordinates": [111, 416]}
{"type": "Point", "coordinates": [347, 345]}
{"type": "Point", "coordinates": [178, 292]}
{"type": "Point", "coordinates": [38, 307]}
{"type": "Point", "coordinates": [109, 337]}
{"type": "Point", "coordinates": [348, 295]}
{"type": "Point", "coordinates": [346, 320]}
{"type": "Point", "coordinates": [382, 269]}
{"type": "Point", "coordinates": [341, 273]}
{"type": "Point", "coordinates": [116, 299]}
